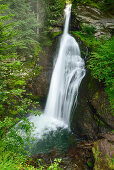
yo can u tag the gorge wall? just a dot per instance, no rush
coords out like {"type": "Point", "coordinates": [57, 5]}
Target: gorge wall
{"type": "Point", "coordinates": [93, 113]}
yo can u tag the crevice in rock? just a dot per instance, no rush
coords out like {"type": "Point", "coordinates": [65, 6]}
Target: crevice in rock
{"type": "Point", "coordinates": [95, 114]}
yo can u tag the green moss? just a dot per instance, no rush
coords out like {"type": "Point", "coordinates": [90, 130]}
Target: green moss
{"type": "Point", "coordinates": [55, 34]}
{"type": "Point", "coordinates": [96, 151]}
{"type": "Point", "coordinates": [85, 38]}
{"type": "Point", "coordinates": [96, 95]}
{"type": "Point", "coordinates": [99, 122]}
{"type": "Point", "coordinates": [90, 164]}
{"type": "Point", "coordinates": [110, 162]}
{"type": "Point", "coordinates": [102, 160]}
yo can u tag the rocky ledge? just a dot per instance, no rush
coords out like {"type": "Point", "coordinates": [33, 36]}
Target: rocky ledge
{"type": "Point", "coordinates": [86, 15]}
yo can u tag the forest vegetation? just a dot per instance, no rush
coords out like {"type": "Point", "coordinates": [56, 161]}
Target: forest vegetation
{"type": "Point", "coordinates": [20, 47]}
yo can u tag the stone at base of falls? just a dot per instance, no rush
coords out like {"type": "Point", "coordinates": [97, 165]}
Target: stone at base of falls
{"type": "Point", "coordinates": [77, 157]}
{"type": "Point", "coordinates": [96, 155]}
{"type": "Point", "coordinates": [103, 151]}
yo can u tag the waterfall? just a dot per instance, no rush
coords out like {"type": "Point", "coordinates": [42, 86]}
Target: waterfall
{"type": "Point", "coordinates": [66, 78]}
{"type": "Point", "coordinates": [67, 75]}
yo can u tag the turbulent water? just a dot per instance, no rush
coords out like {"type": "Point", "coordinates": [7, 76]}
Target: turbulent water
{"type": "Point", "coordinates": [66, 78]}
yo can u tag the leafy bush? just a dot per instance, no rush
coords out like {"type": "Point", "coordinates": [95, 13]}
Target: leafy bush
{"type": "Point", "coordinates": [101, 58]}
{"type": "Point", "coordinates": [12, 161]}
{"type": "Point", "coordinates": [26, 25]}
{"type": "Point", "coordinates": [13, 144]}
{"type": "Point", "coordinates": [87, 36]}
{"type": "Point", "coordinates": [101, 65]}
{"type": "Point", "coordinates": [54, 165]}
{"type": "Point", "coordinates": [54, 11]}
{"type": "Point", "coordinates": [13, 73]}
{"type": "Point", "coordinates": [14, 101]}
{"type": "Point", "coordinates": [89, 30]}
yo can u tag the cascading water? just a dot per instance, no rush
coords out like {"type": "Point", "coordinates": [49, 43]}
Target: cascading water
{"type": "Point", "coordinates": [67, 75]}
{"type": "Point", "coordinates": [66, 78]}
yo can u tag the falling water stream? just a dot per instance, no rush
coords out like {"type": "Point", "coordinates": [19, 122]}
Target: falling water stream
{"type": "Point", "coordinates": [62, 97]}
{"type": "Point", "coordinates": [66, 78]}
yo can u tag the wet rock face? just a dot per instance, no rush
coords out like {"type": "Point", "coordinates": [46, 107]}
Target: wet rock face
{"type": "Point", "coordinates": [82, 121]}
{"type": "Point", "coordinates": [92, 114]}
{"type": "Point", "coordinates": [85, 15]}
{"type": "Point", "coordinates": [39, 85]}
{"type": "Point", "coordinates": [102, 107]}
{"type": "Point", "coordinates": [103, 151]}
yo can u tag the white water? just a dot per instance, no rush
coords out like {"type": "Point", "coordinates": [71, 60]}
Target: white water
{"type": "Point", "coordinates": [66, 78]}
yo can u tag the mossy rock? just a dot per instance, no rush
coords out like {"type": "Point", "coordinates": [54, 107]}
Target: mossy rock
{"type": "Point", "coordinates": [103, 153]}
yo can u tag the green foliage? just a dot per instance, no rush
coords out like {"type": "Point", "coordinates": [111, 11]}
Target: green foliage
{"type": "Point", "coordinates": [14, 101]}
{"type": "Point", "coordinates": [108, 6]}
{"type": "Point", "coordinates": [7, 61]}
{"type": "Point", "coordinates": [19, 51]}
{"type": "Point", "coordinates": [54, 11]}
{"type": "Point", "coordinates": [24, 36]}
{"type": "Point", "coordinates": [26, 25]}
{"type": "Point", "coordinates": [87, 36]}
{"type": "Point", "coordinates": [96, 152]}
{"type": "Point", "coordinates": [101, 58]}
{"type": "Point", "coordinates": [17, 138]}
{"type": "Point", "coordinates": [13, 71]}
{"type": "Point", "coordinates": [110, 161]}
{"type": "Point", "coordinates": [54, 16]}
{"type": "Point", "coordinates": [54, 165]}
{"type": "Point", "coordinates": [13, 144]}
{"type": "Point", "coordinates": [90, 164]}
{"type": "Point", "coordinates": [88, 30]}
{"type": "Point", "coordinates": [101, 65]}
{"type": "Point", "coordinates": [12, 161]}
